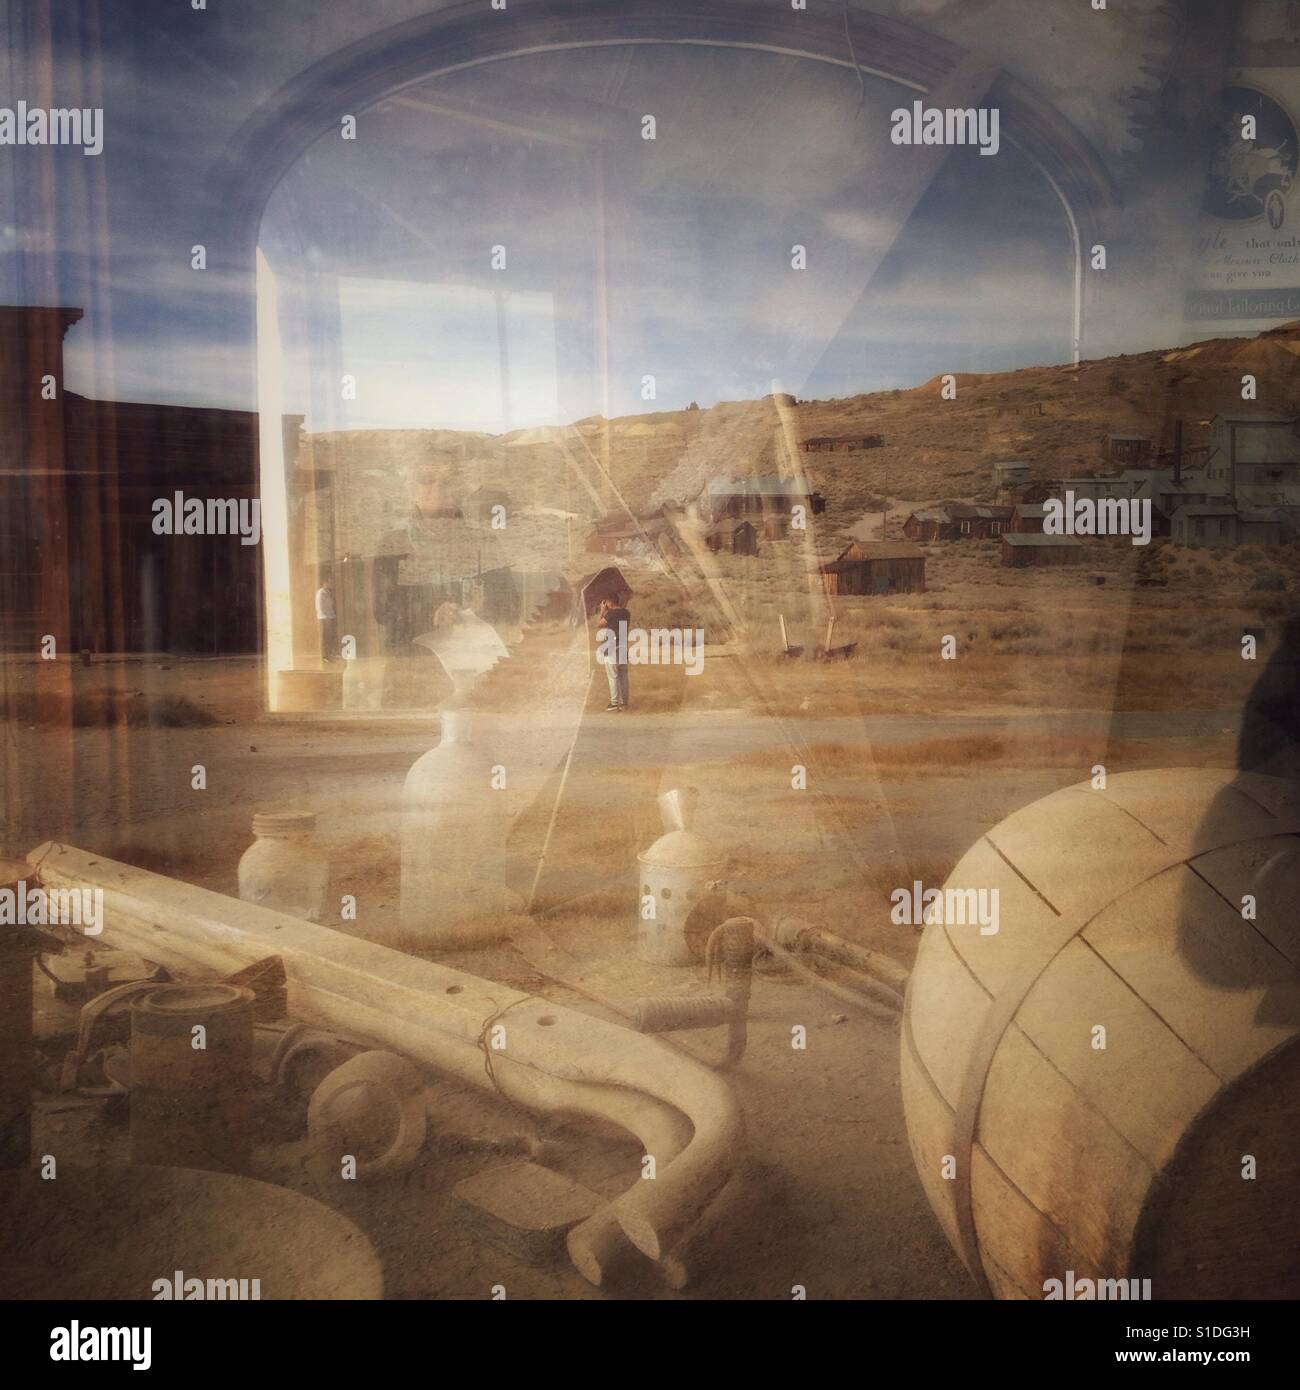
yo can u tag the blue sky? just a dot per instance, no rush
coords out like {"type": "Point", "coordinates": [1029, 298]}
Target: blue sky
{"type": "Point", "coordinates": [381, 245]}
{"type": "Point", "coordinates": [698, 231]}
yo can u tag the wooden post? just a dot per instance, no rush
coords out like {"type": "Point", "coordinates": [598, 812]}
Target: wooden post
{"type": "Point", "coordinates": [436, 1017]}
{"type": "Point", "coordinates": [559, 798]}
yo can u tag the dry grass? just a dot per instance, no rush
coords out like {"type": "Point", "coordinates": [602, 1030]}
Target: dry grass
{"type": "Point", "coordinates": [1161, 632]}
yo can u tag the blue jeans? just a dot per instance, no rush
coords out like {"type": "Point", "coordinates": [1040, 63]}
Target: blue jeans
{"type": "Point", "coordinates": [617, 677]}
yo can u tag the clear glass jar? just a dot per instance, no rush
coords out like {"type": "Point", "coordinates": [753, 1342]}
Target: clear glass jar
{"type": "Point", "coordinates": [283, 869]}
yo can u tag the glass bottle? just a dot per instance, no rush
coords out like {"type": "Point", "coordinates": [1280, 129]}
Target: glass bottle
{"type": "Point", "coordinates": [284, 869]}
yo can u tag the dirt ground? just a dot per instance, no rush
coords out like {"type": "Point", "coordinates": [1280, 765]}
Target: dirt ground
{"type": "Point", "coordinates": [909, 759]}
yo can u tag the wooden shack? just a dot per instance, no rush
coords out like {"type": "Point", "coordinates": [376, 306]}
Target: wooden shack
{"type": "Point", "coordinates": [1027, 519]}
{"type": "Point", "coordinates": [952, 521]}
{"type": "Point", "coordinates": [840, 443]}
{"type": "Point", "coordinates": [759, 496]}
{"type": "Point", "coordinates": [1010, 475]}
{"type": "Point", "coordinates": [926, 524]}
{"type": "Point", "coordinates": [1215, 524]}
{"type": "Point", "coordinates": [736, 537]}
{"type": "Point", "coordinates": [1128, 450]}
{"type": "Point", "coordinates": [1021, 550]}
{"type": "Point", "coordinates": [874, 567]}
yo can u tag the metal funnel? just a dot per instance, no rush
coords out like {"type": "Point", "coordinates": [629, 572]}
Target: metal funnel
{"type": "Point", "coordinates": [677, 807]}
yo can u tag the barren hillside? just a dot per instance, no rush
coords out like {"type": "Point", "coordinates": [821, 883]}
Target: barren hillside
{"type": "Point", "coordinates": [1053, 417]}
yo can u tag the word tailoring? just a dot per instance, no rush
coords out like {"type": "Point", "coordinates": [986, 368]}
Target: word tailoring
{"type": "Point", "coordinates": [59, 125]}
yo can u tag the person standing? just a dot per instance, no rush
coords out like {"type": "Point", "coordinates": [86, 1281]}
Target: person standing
{"type": "Point", "coordinates": [616, 619]}
{"type": "Point", "coordinates": [326, 617]}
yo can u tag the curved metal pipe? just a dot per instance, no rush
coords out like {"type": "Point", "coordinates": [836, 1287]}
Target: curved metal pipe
{"type": "Point", "coordinates": [598, 1246]}
{"type": "Point", "coordinates": [491, 1036]}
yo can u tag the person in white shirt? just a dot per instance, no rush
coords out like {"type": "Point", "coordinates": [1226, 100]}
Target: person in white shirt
{"type": "Point", "coordinates": [325, 615]}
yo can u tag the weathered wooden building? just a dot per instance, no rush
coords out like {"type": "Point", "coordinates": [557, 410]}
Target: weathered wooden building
{"type": "Point", "coordinates": [873, 567]}
{"type": "Point", "coordinates": [952, 521]}
{"type": "Point", "coordinates": [1168, 494]}
{"type": "Point", "coordinates": [840, 443]}
{"type": "Point", "coordinates": [761, 496]}
{"type": "Point", "coordinates": [1128, 450]}
{"type": "Point", "coordinates": [736, 537]}
{"type": "Point", "coordinates": [1011, 475]}
{"type": "Point", "coordinates": [1021, 550]}
{"type": "Point", "coordinates": [1027, 519]}
{"type": "Point", "coordinates": [1214, 524]}
{"type": "Point", "coordinates": [928, 524]}
{"type": "Point", "coordinates": [1254, 458]}
{"type": "Point", "coordinates": [1099, 488]}
{"type": "Point", "coordinates": [80, 478]}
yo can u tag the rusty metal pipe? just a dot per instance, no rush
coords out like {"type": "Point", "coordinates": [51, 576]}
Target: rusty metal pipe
{"type": "Point", "coordinates": [730, 951]}
{"type": "Point", "coordinates": [881, 1008]}
{"type": "Point", "coordinates": [796, 935]}
{"type": "Point", "coordinates": [667, 1013]}
{"type": "Point", "coordinates": [598, 1247]}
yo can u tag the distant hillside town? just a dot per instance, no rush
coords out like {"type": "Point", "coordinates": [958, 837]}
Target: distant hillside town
{"type": "Point", "coordinates": [514, 525]}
